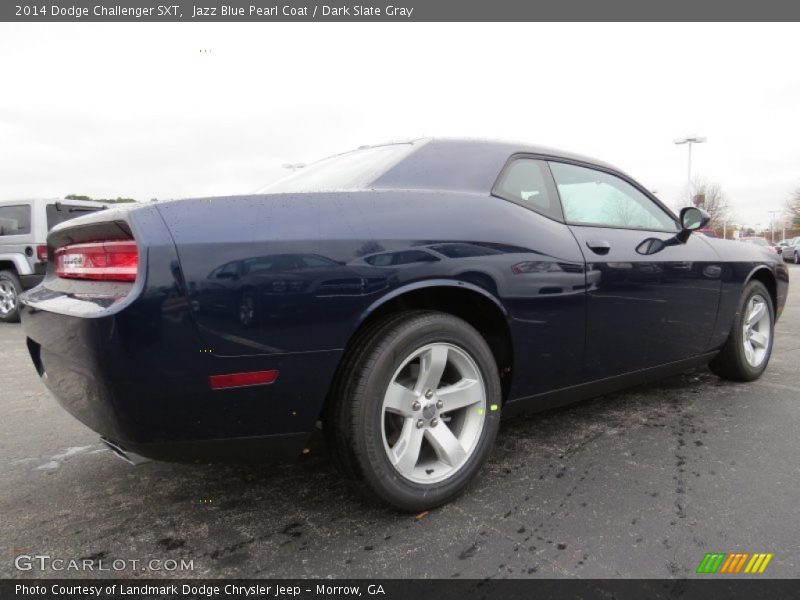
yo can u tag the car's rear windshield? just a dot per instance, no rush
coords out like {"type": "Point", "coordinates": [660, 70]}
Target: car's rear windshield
{"type": "Point", "coordinates": [64, 212]}
{"type": "Point", "coordinates": [344, 172]}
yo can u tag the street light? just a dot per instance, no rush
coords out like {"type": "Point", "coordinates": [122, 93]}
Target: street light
{"type": "Point", "coordinates": [772, 214]}
{"type": "Point", "coordinates": [692, 139]}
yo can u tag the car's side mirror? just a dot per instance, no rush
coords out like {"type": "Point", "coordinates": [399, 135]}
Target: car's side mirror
{"type": "Point", "coordinates": [650, 246]}
{"type": "Point", "coordinates": [692, 218]}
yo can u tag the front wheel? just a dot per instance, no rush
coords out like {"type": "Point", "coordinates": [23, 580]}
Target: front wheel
{"type": "Point", "coordinates": [419, 409]}
{"type": "Point", "coordinates": [746, 353]}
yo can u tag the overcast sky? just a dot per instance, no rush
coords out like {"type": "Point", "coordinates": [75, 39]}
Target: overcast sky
{"type": "Point", "coordinates": [138, 110]}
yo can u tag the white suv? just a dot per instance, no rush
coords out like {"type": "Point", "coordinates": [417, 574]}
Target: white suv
{"type": "Point", "coordinates": [23, 244]}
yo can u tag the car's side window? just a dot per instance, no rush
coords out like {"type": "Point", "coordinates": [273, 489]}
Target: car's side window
{"type": "Point", "coordinates": [15, 220]}
{"type": "Point", "coordinates": [401, 258]}
{"type": "Point", "coordinates": [525, 181]}
{"type": "Point", "coordinates": [227, 271]}
{"type": "Point", "coordinates": [591, 197]}
{"type": "Point", "coordinates": [252, 266]}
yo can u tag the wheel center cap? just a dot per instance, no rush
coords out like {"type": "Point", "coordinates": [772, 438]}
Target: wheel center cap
{"type": "Point", "coordinates": [429, 411]}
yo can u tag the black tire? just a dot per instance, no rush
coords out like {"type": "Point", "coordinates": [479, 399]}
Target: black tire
{"type": "Point", "coordinates": [796, 257]}
{"type": "Point", "coordinates": [355, 418]}
{"type": "Point", "coordinates": [731, 362]}
{"type": "Point", "coordinates": [10, 281]}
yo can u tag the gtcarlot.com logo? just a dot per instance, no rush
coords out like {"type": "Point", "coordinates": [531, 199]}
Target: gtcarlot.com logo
{"type": "Point", "coordinates": [737, 562]}
{"type": "Point", "coordinates": [44, 562]}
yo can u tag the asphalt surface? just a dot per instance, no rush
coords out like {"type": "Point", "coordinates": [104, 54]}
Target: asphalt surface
{"type": "Point", "coordinates": [636, 484]}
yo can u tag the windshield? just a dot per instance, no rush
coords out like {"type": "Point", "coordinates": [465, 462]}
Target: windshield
{"type": "Point", "coordinates": [349, 171]}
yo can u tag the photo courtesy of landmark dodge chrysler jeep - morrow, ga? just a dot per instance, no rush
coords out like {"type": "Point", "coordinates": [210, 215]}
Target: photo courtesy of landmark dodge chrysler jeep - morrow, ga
{"type": "Point", "coordinates": [405, 296]}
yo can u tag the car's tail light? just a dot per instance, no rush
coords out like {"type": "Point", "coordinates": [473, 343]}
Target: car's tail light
{"type": "Point", "coordinates": [41, 253]}
{"type": "Point", "coordinates": [102, 261]}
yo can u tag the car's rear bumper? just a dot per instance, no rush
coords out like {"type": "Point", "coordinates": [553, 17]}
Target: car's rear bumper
{"type": "Point", "coordinates": [155, 399]}
{"type": "Point", "coordinates": [262, 449]}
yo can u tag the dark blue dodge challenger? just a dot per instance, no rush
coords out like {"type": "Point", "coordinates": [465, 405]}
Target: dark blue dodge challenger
{"type": "Point", "coordinates": [403, 296]}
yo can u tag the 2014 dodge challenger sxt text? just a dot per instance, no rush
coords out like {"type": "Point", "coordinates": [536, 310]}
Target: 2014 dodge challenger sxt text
{"type": "Point", "coordinates": [404, 296]}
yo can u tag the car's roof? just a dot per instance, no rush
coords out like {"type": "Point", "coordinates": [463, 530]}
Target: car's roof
{"type": "Point", "coordinates": [513, 147]}
{"type": "Point", "coordinates": [463, 164]}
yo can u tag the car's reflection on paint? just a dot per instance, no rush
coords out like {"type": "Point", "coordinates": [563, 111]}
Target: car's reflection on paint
{"type": "Point", "coordinates": [487, 266]}
{"type": "Point", "coordinates": [279, 285]}
{"type": "Point", "coordinates": [276, 288]}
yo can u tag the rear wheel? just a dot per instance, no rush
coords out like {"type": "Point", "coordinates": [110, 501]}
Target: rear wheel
{"type": "Point", "coordinates": [10, 289]}
{"type": "Point", "coordinates": [419, 410]}
{"type": "Point", "coordinates": [247, 309]}
{"type": "Point", "coordinates": [746, 353]}
{"type": "Point", "coordinates": [796, 257]}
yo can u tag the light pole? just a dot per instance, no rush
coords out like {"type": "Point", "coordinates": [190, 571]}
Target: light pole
{"type": "Point", "coordinates": [691, 139]}
{"type": "Point", "coordinates": [772, 214]}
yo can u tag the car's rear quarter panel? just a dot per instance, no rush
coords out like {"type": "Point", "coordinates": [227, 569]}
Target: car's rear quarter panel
{"type": "Point", "coordinates": [136, 371]}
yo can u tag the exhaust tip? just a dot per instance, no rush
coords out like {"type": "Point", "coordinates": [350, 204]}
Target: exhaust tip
{"type": "Point", "coordinates": [129, 457]}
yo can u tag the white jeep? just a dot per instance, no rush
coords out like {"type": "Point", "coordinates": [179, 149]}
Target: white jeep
{"type": "Point", "coordinates": [23, 244]}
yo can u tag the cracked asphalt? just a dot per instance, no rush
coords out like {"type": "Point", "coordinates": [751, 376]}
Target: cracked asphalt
{"type": "Point", "coordinates": [636, 484]}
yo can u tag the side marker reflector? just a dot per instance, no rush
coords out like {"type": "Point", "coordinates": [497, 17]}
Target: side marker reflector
{"type": "Point", "coordinates": [234, 380]}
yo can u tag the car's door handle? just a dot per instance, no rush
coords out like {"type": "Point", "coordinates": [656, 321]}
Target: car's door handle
{"type": "Point", "coordinates": [599, 246]}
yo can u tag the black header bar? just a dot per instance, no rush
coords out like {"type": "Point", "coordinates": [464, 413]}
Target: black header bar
{"type": "Point", "coordinates": [198, 11]}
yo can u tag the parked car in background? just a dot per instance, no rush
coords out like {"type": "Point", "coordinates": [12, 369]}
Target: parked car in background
{"type": "Point", "coordinates": [759, 241]}
{"type": "Point", "coordinates": [23, 244]}
{"type": "Point", "coordinates": [708, 232]}
{"type": "Point", "coordinates": [791, 250]}
{"type": "Point", "coordinates": [779, 246]}
{"type": "Point", "coordinates": [403, 296]}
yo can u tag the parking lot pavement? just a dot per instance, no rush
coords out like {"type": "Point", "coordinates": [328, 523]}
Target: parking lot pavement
{"type": "Point", "coordinates": [636, 484]}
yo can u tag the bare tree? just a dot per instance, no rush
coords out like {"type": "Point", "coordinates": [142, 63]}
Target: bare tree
{"type": "Point", "coordinates": [793, 208]}
{"type": "Point", "coordinates": [623, 212]}
{"type": "Point", "coordinates": [709, 197]}
{"type": "Point", "coordinates": [369, 247]}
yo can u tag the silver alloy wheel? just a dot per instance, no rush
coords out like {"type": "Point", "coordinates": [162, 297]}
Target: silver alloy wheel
{"type": "Point", "coordinates": [433, 413]}
{"type": "Point", "coordinates": [796, 257]}
{"type": "Point", "coordinates": [756, 330]}
{"type": "Point", "coordinates": [8, 297]}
